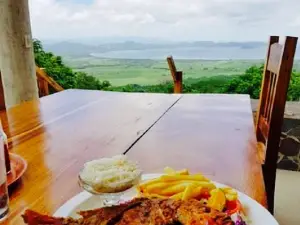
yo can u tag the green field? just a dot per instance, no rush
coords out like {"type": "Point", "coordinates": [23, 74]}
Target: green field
{"type": "Point", "coordinates": [147, 72]}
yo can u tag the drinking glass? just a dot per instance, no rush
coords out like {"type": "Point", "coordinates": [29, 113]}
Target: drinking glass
{"type": "Point", "coordinates": [3, 184]}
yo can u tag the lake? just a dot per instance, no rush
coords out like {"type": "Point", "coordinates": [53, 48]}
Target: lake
{"type": "Point", "coordinates": [209, 53]}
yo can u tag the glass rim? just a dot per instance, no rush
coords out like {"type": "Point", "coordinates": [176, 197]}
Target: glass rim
{"type": "Point", "coordinates": [133, 182]}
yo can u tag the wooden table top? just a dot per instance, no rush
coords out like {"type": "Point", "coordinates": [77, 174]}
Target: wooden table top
{"type": "Point", "coordinates": [60, 132]}
{"type": "Point", "coordinates": [57, 134]}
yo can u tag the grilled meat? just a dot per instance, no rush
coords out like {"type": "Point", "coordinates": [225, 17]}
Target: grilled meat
{"type": "Point", "coordinates": [141, 211]}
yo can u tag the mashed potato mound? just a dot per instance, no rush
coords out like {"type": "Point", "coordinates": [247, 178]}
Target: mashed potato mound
{"type": "Point", "coordinates": [110, 175]}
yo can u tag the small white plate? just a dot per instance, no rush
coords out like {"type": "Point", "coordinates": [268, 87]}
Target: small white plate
{"type": "Point", "coordinates": [255, 212]}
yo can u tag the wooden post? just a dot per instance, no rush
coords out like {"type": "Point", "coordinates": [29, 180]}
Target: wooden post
{"type": "Point", "coordinates": [176, 75]}
{"type": "Point", "coordinates": [16, 53]}
{"type": "Point", "coordinates": [178, 82]}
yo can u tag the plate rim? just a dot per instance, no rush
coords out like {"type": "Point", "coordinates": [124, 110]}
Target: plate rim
{"type": "Point", "coordinates": [69, 206]}
{"type": "Point", "coordinates": [19, 175]}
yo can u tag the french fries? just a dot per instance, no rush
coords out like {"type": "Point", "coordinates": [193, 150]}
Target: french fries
{"type": "Point", "coordinates": [176, 185]}
{"type": "Point", "coordinates": [177, 196]}
{"type": "Point", "coordinates": [174, 189]}
{"type": "Point", "coordinates": [188, 192]}
{"type": "Point", "coordinates": [156, 188]}
{"type": "Point", "coordinates": [170, 171]}
{"type": "Point", "coordinates": [178, 177]}
{"type": "Point", "coordinates": [181, 185]}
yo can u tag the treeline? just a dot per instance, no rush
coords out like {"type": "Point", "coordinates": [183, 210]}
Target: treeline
{"type": "Point", "coordinates": [247, 83]}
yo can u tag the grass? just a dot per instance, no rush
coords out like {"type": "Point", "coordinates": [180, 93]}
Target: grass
{"type": "Point", "coordinates": [148, 72]}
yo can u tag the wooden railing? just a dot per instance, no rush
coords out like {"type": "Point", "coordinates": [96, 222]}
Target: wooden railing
{"type": "Point", "coordinates": [176, 75]}
{"type": "Point", "coordinates": [44, 82]}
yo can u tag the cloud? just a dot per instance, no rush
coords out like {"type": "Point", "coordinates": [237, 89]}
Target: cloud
{"type": "Point", "coordinates": [170, 19]}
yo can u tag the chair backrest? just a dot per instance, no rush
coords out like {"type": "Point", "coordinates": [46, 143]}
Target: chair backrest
{"type": "Point", "coordinates": [276, 78]}
{"type": "Point", "coordinates": [176, 75]}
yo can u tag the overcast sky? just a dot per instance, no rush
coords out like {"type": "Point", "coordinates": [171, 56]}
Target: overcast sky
{"type": "Point", "coordinates": [177, 20]}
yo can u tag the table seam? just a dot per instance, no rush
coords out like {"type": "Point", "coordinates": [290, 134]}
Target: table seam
{"type": "Point", "coordinates": [149, 128]}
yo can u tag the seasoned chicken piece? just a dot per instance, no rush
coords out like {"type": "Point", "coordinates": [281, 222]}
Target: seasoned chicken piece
{"type": "Point", "coordinates": [193, 212]}
{"type": "Point", "coordinates": [101, 216]}
{"type": "Point", "coordinates": [155, 211]}
{"type": "Point", "coordinates": [141, 211]}
{"type": "Point", "coordinates": [32, 218]}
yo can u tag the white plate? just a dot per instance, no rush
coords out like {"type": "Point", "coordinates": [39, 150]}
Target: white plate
{"type": "Point", "coordinates": [256, 213]}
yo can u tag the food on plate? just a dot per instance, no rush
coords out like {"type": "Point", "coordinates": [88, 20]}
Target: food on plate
{"type": "Point", "coordinates": [170, 171]}
{"type": "Point", "coordinates": [217, 199]}
{"type": "Point", "coordinates": [185, 186]}
{"type": "Point", "coordinates": [110, 175]}
{"type": "Point", "coordinates": [141, 211]}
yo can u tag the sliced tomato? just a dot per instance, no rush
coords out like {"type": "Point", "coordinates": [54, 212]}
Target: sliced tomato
{"type": "Point", "coordinates": [210, 222]}
{"type": "Point", "coordinates": [205, 194]}
{"type": "Point", "coordinates": [233, 207]}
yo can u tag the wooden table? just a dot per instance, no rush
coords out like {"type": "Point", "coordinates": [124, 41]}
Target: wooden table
{"type": "Point", "coordinates": [56, 135]}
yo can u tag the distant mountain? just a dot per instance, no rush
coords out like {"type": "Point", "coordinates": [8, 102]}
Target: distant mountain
{"type": "Point", "coordinates": [106, 40]}
{"type": "Point", "coordinates": [156, 49]}
{"type": "Point", "coordinates": [68, 48]}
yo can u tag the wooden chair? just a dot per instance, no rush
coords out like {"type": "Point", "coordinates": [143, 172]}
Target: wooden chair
{"type": "Point", "coordinates": [276, 78]}
{"type": "Point", "coordinates": [176, 75]}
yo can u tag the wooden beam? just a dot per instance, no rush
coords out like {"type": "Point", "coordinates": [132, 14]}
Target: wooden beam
{"type": "Point", "coordinates": [16, 53]}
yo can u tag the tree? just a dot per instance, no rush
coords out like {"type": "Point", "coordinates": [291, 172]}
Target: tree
{"type": "Point", "coordinates": [248, 83]}
{"type": "Point", "coordinates": [294, 88]}
{"type": "Point", "coordinates": [84, 81]}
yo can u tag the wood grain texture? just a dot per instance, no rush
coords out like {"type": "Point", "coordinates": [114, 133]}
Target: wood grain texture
{"type": "Point", "coordinates": [33, 115]}
{"type": "Point", "coordinates": [64, 130]}
{"type": "Point", "coordinates": [209, 133]}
